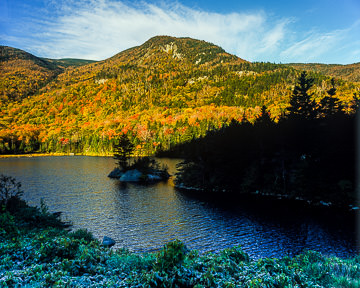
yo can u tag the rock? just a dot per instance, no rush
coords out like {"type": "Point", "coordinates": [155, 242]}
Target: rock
{"type": "Point", "coordinates": [116, 173]}
{"type": "Point", "coordinates": [151, 178]}
{"type": "Point", "coordinates": [325, 203]}
{"type": "Point", "coordinates": [108, 242]}
{"type": "Point", "coordinates": [131, 176]}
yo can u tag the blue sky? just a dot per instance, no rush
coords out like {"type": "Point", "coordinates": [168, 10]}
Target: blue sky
{"type": "Point", "coordinates": [322, 31]}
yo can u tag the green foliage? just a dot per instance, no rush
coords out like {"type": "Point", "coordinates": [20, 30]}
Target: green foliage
{"type": "Point", "coordinates": [301, 102]}
{"type": "Point", "coordinates": [83, 234]}
{"type": "Point", "coordinates": [50, 257]}
{"type": "Point", "coordinates": [7, 225]}
{"type": "Point", "coordinates": [170, 256]}
{"type": "Point", "coordinates": [122, 151]}
{"type": "Point", "coordinates": [9, 189]}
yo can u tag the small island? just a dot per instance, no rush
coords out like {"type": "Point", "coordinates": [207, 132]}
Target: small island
{"type": "Point", "coordinates": [142, 169]}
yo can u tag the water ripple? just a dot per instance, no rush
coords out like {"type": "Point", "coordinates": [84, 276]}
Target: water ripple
{"type": "Point", "coordinates": [144, 218]}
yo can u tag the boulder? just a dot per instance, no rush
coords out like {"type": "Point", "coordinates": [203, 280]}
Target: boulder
{"type": "Point", "coordinates": [108, 242]}
{"type": "Point", "coordinates": [116, 173]}
{"type": "Point", "coordinates": [152, 177]}
{"type": "Point", "coordinates": [131, 176]}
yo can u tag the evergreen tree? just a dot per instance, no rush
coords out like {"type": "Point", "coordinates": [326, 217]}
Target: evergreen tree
{"type": "Point", "coordinates": [301, 104]}
{"type": "Point", "coordinates": [264, 118]}
{"type": "Point", "coordinates": [355, 102]}
{"type": "Point", "coordinates": [122, 151]}
{"type": "Point", "coordinates": [330, 105]}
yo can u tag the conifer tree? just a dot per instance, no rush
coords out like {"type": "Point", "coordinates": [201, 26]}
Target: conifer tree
{"type": "Point", "coordinates": [355, 102]}
{"type": "Point", "coordinates": [330, 105]}
{"type": "Point", "coordinates": [122, 151]}
{"type": "Point", "coordinates": [301, 104]}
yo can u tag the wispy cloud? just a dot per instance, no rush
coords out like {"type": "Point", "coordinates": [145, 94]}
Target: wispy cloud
{"type": "Point", "coordinates": [318, 45]}
{"type": "Point", "coordinates": [98, 29]}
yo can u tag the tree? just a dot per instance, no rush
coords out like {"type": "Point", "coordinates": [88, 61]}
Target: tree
{"type": "Point", "coordinates": [330, 105]}
{"type": "Point", "coordinates": [264, 118]}
{"type": "Point", "coordinates": [122, 151]}
{"type": "Point", "coordinates": [301, 104]}
{"type": "Point", "coordinates": [9, 189]}
{"type": "Point", "coordinates": [355, 103]}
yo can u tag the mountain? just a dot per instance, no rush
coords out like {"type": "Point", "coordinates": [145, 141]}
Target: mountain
{"type": "Point", "coordinates": [350, 72]}
{"type": "Point", "coordinates": [164, 92]}
{"type": "Point", "coordinates": [23, 74]}
{"type": "Point", "coordinates": [68, 62]}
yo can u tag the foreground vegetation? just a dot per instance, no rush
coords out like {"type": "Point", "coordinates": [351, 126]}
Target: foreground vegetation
{"type": "Point", "coordinates": [36, 251]}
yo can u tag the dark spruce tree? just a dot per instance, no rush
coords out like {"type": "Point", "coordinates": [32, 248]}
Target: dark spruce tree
{"type": "Point", "coordinates": [122, 151]}
{"type": "Point", "coordinates": [330, 105]}
{"type": "Point", "coordinates": [302, 106]}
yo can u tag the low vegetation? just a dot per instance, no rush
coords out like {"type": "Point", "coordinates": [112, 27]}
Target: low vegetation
{"type": "Point", "coordinates": [36, 251]}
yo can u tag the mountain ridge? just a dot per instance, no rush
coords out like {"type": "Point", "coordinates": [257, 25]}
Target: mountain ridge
{"type": "Point", "coordinates": [348, 72]}
{"type": "Point", "coordinates": [23, 74]}
{"type": "Point", "coordinates": [164, 92]}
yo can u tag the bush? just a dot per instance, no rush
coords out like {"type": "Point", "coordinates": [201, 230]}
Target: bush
{"type": "Point", "coordinates": [9, 189]}
{"type": "Point", "coordinates": [82, 234]}
{"type": "Point", "coordinates": [7, 225]}
{"type": "Point", "coordinates": [172, 255]}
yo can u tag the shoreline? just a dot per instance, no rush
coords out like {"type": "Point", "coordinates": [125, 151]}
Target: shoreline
{"type": "Point", "coordinates": [30, 155]}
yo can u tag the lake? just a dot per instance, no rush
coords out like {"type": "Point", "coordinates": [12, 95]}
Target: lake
{"type": "Point", "coordinates": [144, 218]}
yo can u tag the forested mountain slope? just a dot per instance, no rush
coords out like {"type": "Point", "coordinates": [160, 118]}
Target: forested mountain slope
{"type": "Point", "coordinates": [166, 91]}
{"type": "Point", "coordinates": [23, 74]}
{"type": "Point", "coordinates": [350, 72]}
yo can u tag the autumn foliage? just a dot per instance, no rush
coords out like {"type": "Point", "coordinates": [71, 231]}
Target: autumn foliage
{"type": "Point", "coordinates": [164, 92]}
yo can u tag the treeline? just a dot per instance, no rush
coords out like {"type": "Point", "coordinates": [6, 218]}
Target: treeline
{"type": "Point", "coordinates": [309, 154]}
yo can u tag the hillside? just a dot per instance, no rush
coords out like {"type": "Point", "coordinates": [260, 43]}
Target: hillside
{"type": "Point", "coordinates": [68, 62]}
{"type": "Point", "coordinates": [23, 74]}
{"type": "Point", "coordinates": [349, 72]}
{"type": "Point", "coordinates": [166, 91]}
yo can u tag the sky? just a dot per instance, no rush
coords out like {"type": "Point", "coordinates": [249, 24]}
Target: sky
{"type": "Point", "coordinates": [307, 31]}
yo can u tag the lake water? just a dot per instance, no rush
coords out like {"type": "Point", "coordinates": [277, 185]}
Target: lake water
{"type": "Point", "coordinates": [144, 218]}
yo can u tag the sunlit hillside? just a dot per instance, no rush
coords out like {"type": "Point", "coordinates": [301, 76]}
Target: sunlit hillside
{"type": "Point", "coordinates": [166, 91]}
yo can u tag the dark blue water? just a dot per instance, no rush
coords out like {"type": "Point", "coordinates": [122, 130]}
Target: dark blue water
{"type": "Point", "coordinates": [144, 218]}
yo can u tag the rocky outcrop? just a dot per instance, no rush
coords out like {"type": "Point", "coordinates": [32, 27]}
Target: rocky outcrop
{"type": "Point", "coordinates": [135, 175]}
{"type": "Point", "coordinates": [131, 176]}
{"type": "Point", "coordinates": [108, 242]}
{"type": "Point", "coordinates": [116, 173]}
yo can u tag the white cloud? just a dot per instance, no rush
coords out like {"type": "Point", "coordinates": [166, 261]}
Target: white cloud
{"type": "Point", "coordinates": [100, 29]}
{"type": "Point", "coordinates": [335, 46]}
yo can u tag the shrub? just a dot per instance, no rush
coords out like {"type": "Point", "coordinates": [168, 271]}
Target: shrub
{"type": "Point", "coordinates": [7, 225]}
{"type": "Point", "coordinates": [82, 234]}
{"type": "Point", "coordinates": [172, 254]}
{"type": "Point", "coordinates": [9, 189]}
